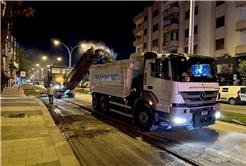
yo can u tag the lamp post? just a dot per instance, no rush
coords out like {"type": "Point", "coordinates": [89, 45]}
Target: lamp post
{"type": "Point", "coordinates": [42, 68]}
{"type": "Point", "coordinates": [69, 52]}
{"type": "Point", "coordinates": [51, 63]}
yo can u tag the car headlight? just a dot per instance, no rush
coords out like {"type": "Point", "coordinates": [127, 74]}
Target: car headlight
{"type": "Point", "coordinates": [57, 87]}
{"type": "Point", "coordinates": [217, 115]}
{"type": "Point", "coordinates": [180, 120]}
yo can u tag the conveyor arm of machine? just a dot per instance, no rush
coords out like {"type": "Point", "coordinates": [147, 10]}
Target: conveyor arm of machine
{"type": "Point", "coordinates": [80, 69]}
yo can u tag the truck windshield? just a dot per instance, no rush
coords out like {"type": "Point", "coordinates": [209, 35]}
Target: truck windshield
{"type": "Point", "coordinates": [194, 69]}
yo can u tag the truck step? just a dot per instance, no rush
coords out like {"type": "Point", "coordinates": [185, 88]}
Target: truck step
{"type": "Point", "coordinates": [122, 113]}
{"type": "Point", "coordinates": [122, 105]}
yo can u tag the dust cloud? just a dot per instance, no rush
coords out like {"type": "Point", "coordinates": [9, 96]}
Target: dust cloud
{"type": "Point", "coordinates": [85, 45]}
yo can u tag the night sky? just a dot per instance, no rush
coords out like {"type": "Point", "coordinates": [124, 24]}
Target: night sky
{"type": "Point", "coordinates": [110, 22]}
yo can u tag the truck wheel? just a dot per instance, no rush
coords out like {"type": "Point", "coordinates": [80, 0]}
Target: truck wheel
{"type": "Point", "coordinates": [144, 117]}
{"type": "Point", "coordinates": [95, 102]}
{"type": "Point", "coordinates": [232, 101]}
{"type": "Point", "coordinates": [104, 104]}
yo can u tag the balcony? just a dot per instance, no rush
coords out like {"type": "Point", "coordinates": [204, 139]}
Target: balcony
{"type": "Point", "coordinates": [13, 65]}
{"type": "Point", "coordinates": [241, 25]}
{"type": "Point", "coordinates": [240, 3]}
{"type": "Point", "coordinates": [138, 41]}
{"type": "Point", "coordinates": [170, 45]}
{"type": "Point", "coordinates": [139, 28]}
{"type": "Point", "coordinates": [170, 27]}
{"type": "Point", "coordinates": [240, 50]}
{"type": "Point", "coordinates": [167, 12]}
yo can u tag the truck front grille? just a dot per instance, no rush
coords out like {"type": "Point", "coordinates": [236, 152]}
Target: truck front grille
{"type": "Point", "coordinates": [194, 98]}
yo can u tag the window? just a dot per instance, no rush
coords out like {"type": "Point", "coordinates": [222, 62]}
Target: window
{"type": "Point", "coordinates": [218, 3]}
{"type": "Point", "coordinates": [195, 49]}
{"type": "Point", "coordinates": [224, 89]}
{"type": "Point", "coordinates": [155, 27]}
{"type": "Point", "coordinates": [155, 13]}
{"type": "Point", "coordinates": [155, 42]}
{"type": "Point", "coordinates": [139, 49]}
{"type": "Point", "coordinates": [170, 37]}
{"type": "Point", "coordinates": [144, 45]}
{"type": "Point", "coordinates": [145, 32]}
{"type": "Point", "coordinates": [159, 68]}
{"type": "Point", "coordinates": [145, 18]}
{"type": "Point", "coordinates": [220, 22]}
{"type": "Point", "coordinates": [187, 33]}
{"type": "Point", "coordinates": [187, 15]}
{"type": "Point", "coordinates": [139, 25]}
{"type": "Point", "coordinates": [196, 29]}
{"type": "Point", "coordinates": [196, 10]}
{"type": "Point", "coordinates": [186, 50]}
{"type": "Point", "coordinates": [220, 44]}
{"type": "Point", "coordinates": [165, 69]}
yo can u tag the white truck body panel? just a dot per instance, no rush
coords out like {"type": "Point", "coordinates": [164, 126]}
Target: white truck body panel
{"type": "Point", "coordinates": [116, 78]}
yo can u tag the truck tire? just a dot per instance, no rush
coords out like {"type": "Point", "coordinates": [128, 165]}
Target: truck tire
{"type": "Point", "coordinates": [95, 102]}
{"type": "Point", "coordinates": [232, 101]}
{"type": "Point", "coordinates": [104, 104]}
{"type": "Point", "coordinates": [144, 117]}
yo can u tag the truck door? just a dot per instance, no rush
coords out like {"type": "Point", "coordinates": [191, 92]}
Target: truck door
{"type": "Point", "coordinates": [158, 81]}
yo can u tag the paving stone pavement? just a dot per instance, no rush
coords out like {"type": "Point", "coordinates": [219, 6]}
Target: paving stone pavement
{"type": "Point", "coordinates": [34, 139]}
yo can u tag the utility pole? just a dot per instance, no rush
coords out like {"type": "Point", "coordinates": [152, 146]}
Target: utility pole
{"type": "Point", "coordinates": [191, 27]}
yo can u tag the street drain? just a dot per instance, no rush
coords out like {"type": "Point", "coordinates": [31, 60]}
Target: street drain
{"type": "Point", "coordinates": [17, 115]}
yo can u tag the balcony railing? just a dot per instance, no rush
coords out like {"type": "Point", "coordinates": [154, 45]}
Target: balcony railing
{"type": "Point", "coordinates": [169, 22]}
{"type": "Point", "coordinates": [170, 27]}
{"type": "Point", "coordinates": [241, 25]}
{"type": "Point", "coordinates": [139, 28]}
{"type": "Point", "coordinates": [138, 41]}
{"type": "Point", "coordinates": [170, 45]}
{"type": "Point", "coordinates": [240, 49]}
{"type": "Point", "coordinates": [240, 3]}
{"type": "Point", "coordinates": [173, 9]}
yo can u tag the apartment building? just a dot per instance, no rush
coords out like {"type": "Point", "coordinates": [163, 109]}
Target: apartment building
{"type": "Point", "coordinates": [10, 58]}
{"type": "Point", "coordinates": [219, 28]}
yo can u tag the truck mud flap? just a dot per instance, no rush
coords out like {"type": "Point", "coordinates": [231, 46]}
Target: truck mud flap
{"type": "Point", "coordinates": [200, 120]}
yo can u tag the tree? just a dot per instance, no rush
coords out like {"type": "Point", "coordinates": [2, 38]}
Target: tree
{"type": "Point", "coordinates": [24, 63]}
{"type": "Point", "coordinates": [226, 65]}
{"type": "Point", "coordinates": [8, 16]}
{"type": "Point", "coordinates": [242, 68]}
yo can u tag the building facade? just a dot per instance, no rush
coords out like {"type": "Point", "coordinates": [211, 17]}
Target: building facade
{"type": "Point", "coordinates": [10, 59]}
{"type": "Point", "coordinates": [219, 28]}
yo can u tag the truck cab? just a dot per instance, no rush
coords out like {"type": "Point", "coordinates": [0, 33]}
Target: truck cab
{"type": "Point", "coordinates": [182, 98]}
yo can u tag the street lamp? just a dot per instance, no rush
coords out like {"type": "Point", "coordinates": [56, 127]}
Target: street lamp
{"type": "Point", "coordinates": [69, 52]}
{"type": "Point", "coordinates": [51, 64]}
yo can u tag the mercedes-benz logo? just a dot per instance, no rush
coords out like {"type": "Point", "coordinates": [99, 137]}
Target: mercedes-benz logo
{"type": "Point", "coordinates": [202, 95]}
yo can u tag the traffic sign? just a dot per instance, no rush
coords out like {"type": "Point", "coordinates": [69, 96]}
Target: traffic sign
{"type": "Point", "coordinates": [23, 74]}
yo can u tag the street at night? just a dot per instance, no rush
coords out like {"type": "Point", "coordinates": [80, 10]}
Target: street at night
{"type": "Point", "coordinates": [115, 83]}
{"type": "Point", "coordinates": [98, 138]}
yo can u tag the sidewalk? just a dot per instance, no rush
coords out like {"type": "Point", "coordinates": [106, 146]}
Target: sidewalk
{"type": "Point", "coordinates": [34, 139]}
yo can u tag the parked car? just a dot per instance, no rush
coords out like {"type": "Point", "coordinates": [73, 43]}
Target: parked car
{"type": "Point", "coordinates": [233, 94]}
{"type": "Point", "coordinates": [36, 82]}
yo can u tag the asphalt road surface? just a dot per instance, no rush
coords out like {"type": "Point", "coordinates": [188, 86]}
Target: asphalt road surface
{"type": "Point", "coordinates": [99, 139]}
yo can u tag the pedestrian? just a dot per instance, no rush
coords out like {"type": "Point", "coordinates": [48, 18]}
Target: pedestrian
{"type": "Point", "coordinates": [50, 93]}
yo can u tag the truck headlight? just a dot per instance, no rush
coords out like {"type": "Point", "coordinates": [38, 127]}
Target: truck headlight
{"type": "Point", "coordinates": [217, 115]}
{"type": "Point", "coordinates": [180, 120]}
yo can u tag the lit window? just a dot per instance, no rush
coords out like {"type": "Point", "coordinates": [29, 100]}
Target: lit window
{"type": "Point", "coordinates": [220, 44]}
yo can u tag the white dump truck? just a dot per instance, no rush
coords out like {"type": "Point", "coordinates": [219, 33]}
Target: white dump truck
{"type": "Point", "coordinates": [156, 90]}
